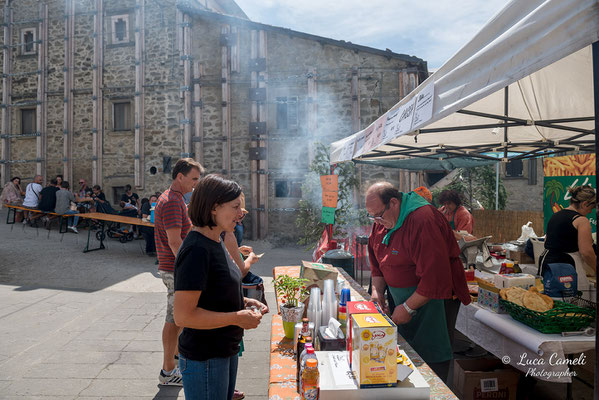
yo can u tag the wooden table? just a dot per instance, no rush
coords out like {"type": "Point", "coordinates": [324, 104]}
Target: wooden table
{"type": "Point", "coordinates": [12, 210]}
{"type": "Point", "coordinates": [107, 219]}
{"type": "Point", "coordinates": [282, 385]}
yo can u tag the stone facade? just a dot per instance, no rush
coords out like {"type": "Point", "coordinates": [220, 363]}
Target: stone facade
{"type": "Point", "coordinates": [290, 57]}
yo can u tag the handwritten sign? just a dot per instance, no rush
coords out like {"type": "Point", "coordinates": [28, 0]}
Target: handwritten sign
{"type": "Point", "coordinates": [328, 215]}
{"type": "Point", "coordinates": [329, 183]}
{"type": "Point", "coordinates": [424, 106]}
{"type": "Point", "coordinates": [329, 199]}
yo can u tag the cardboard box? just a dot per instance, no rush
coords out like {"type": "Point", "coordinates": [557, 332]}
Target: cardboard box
{"type": "Point", "coordinates": [520, 257]}
{"type": "Point", "coordinates": [484, 378]}
{"type": "Point", "coordinates": [503, 281]}
{"type": "Point", "coordinates": [358, 307]}
{"type": "Point", "coordinates": [316, 274]}
{"type": "Point", "coordinates": [490, 300]}
{"type": "Point", "coordinates": [374, 354]}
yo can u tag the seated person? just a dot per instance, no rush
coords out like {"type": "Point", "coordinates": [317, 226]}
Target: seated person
{"type": "Point", "coordinates": [32, 196]}
{"type": "Point", "coordinates": [12, 193]}
{"type": "Point", "coordinates": [146, 231]}
{"type": "Point", "coordinates": [457, 215]}
{"type": "Point", "coordinates": [47, 200]}
{"type": "Point", "coordinates": [129, 202]}
{"type": "Point", "coordinates": [102, 205]}
{"type": "Point", "coordinates": [64, 197]}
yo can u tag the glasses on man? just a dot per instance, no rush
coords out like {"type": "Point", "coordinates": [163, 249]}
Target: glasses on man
{"type": "Point", "coordinates": [380, 215]}
{"type": "Point", "coordinates": [81, 183]}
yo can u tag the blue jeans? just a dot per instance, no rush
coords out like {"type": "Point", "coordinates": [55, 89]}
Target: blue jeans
{"type": "Point", "coordinates": [76, 218]}
{"type": "Point", "coordinates": [213, 379]}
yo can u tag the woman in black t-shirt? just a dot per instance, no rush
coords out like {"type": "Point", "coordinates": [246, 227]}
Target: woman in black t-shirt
{"type": "Point", "coordinates": [209, 302]}
{"type": "Point", "coordinates": [569, 231]}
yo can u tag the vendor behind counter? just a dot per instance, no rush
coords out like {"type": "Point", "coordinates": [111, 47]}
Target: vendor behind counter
{"type": "Point", "coordinates": [455, 213]}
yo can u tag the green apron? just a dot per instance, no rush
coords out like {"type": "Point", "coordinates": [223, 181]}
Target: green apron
{"type": "Point", "coordinates": [452, 222]}
{"type": "Point", "coordinates": [427, 330]}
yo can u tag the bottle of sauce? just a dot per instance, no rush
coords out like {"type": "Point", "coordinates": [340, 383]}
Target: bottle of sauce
{"type": "Point", "coordinates": [308, 354]}
{"type": "Point", "coordinates": [301, 337]}
{"type": "Point", "coordinates": [301, 352]}
{"type": "Point", "coordinates": [310, 376]}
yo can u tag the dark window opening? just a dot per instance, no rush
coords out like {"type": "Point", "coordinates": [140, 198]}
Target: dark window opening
{"type": "Point", "coordinates": [120, 30]}
{"type": "Point", "coordinates": [514, 168]}
{"type": "Point", "coordinates": [288, 188]}
{"type": "Point", "coordinates": [28, 40]}
{"type": "Point", "coordinates": [117, 192]}
{"type": "Point", "coordinates": [287, 113]}
{"type": "Point", "coordinates": [122, 116]}
{"type": "Point", "coordinates": [28, 121]}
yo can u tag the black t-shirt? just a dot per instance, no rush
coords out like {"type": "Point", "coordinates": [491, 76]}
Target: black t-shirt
{"type": "Point", "coordinates": [130, 199]}
{"type": "Point", "coordinates": [145, 208]}
{"type": "Point", "coordinates": [48, 201]}
{"type": "Point", "coordinates": [203, 264]}
{"type": "Point", "coordinates": [561, 234]}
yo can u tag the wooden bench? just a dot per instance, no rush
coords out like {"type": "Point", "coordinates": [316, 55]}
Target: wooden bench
{"type": "Point", "coordinates": [12, 210]}
{"type": "Point", "coordinates": [106, 220]}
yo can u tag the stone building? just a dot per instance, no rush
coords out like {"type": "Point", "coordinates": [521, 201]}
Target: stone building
{"type": "Point", "coordinates": [116, 91]}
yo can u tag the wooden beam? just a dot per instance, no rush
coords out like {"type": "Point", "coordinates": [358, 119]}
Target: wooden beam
{"type": "Point", "coordinates": [312, 110]}
{"type": "Point", "coordinates": [98, 95]}
{"type": "Point", "coordinates": [254, 143]}
{"type": "Point", "coordinates": [139, 93]}
{"type": "Point", "coordinates": [198, 148]}
{"type": "Point", "coordinates": [6, 94]}
{"type": "Point", "coordinates": [69, 55]}
{"type": "Point", "coordinates": [226, 102]}
{"type": "Point", "coordinates": [179, 22]}
{"type": "Point", "coordinates": [263, 117]}
{"type": "Point", "coordinates": [355, 95]}
{"type": "Point", "coordinates": [235, 56]}
{"type": "Point", "coordinates": [42, 88]}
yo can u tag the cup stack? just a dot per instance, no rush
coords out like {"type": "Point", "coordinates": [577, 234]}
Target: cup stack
{"type": "Point", "coordinates": [329, 302]}
{"type": "Point", "coordinates": [315, 308]}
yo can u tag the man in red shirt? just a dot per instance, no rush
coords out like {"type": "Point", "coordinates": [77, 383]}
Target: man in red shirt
{"type": "Point", "coordinates": [171, 226]}
{"type": "Point", "coordinates": [412, 250]}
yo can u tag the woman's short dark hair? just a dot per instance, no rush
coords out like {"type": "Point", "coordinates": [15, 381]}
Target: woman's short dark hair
{"type": "Point", "coordinates": [450, 196]}
{"type": "Point", "coordinates": [65, 184]}
{"type": "Point", "coordinates": [97, 187]}
{"type": "Point", "coordinates": [15, 177]}
{"type": "Point", "coordinates": [210, 192]}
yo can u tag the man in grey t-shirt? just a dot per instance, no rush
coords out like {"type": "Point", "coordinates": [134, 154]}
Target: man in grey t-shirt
{"type": "Point", "coordinates": [63, 201]}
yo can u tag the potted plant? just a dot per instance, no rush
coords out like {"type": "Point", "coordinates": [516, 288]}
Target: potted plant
{"type": "Point", "coordinates": [292, 292]}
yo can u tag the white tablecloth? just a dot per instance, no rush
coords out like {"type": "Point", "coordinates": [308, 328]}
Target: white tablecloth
{"type": "Point", "coordinates": [536, 354]}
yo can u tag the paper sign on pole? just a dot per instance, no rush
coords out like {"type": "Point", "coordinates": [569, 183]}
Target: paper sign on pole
{"type": "Point", "coordinates": [328, 215]}
{"type": "Point", "coordinates": [329, 183]}
{"type": "Point", "coordinates": [329, 199]}
{"type": "Point", "coordinates": [424, 106]}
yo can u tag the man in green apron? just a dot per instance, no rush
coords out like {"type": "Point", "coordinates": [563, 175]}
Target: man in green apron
{"type": "Point", "coordinates": [412, 250]}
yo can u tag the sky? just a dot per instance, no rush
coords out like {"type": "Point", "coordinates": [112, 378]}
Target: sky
{"type": "Point", "coordinates": [432, 30]}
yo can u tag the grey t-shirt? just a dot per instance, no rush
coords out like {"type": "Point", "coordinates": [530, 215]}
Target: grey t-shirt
{"type": "Point", "coordinates": [63, 199]}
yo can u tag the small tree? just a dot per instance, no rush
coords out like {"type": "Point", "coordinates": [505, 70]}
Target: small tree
{"type": "Point", "coordinates": [310, 206]}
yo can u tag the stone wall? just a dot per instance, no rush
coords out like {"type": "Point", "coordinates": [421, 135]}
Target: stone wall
{"type": "Point", "coordinates": [290, 58]}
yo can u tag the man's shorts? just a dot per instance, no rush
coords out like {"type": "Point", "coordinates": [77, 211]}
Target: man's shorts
{"type": "Point", "coordinates": [168, 278]}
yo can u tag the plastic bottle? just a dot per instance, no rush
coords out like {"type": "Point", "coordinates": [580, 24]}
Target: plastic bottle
{"type": "Point", "coordinates": [308, 354]}
{"type": "Point", "coordinates": [301, 338]}
{"type": "Point", "coordinates": [342, 312]}
{"type": "Point", "coordinates": [310, 376]}
{"type": "Point", "coordinates": [300, 353]}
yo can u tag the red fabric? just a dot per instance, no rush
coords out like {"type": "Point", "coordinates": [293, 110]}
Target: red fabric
{"type": "Point", "coordinates": [170, 212]}
{"type": "Point", "coordinates": [463, 219]}
{"type": "Point", "coordinates": [323, 246]}
{"type": "Point", "coordinates": [422, 253]}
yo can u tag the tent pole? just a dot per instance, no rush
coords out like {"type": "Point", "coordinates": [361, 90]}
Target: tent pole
{"type": "Point", "coordinates": [596, 96]}
{"type": "Point", "coordinates": [497, 186]}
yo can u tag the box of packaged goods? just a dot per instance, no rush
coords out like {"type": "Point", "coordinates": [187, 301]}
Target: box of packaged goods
{"type": "Point", "coordinates": [358, 307]}
{"type": "Point", "coordinates": [316, 273]}
{"type": "Point", "coordinates": [504, 281]}
{"type": "Point", "coordinates": [488, 296]}
{"type": "Point", "coordinates": [373, 352]}
{"type": "Point", "coordinates": [484, 379]}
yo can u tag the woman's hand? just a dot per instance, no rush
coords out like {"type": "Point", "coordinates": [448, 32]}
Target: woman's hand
{"type": "Point", "coordinates": [248, 319]}
{"type": "Point", "coordinates": [245, 250]}
{"type": "Point", "coordinates": [249, 302]}
{"type": "Point", "coordinates": [252, 258]}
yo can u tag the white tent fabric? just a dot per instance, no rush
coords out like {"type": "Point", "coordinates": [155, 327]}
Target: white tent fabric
{"type": "Point", "coordinates": [540, 49]}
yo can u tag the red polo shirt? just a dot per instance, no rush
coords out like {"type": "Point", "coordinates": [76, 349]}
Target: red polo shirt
{"type": "Point", "coordinates": [170, 212]}
{"type": "Point", "coordinates": [422, 253]}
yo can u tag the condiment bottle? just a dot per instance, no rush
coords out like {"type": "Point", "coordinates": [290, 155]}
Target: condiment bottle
{"type": "Point", "coordinates": [310, 376]}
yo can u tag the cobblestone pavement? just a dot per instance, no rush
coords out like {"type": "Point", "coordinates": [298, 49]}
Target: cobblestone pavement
{"type": "Point", "coordinates": [88, 326]}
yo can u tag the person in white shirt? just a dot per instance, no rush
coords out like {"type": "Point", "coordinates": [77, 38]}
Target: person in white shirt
{"type": "Point", "coordinates": [32, 195]}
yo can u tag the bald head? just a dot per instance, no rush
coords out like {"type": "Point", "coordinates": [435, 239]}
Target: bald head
{"type": "Point", "coordinates": [38, 179]}
{"type": "Point", "coordinates": [384, 191]}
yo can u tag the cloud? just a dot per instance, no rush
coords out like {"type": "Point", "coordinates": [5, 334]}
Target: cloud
{"type": "Point", "coordinates": [429, 29]}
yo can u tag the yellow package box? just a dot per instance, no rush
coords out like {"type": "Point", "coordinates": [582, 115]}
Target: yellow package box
{"type": "Point", "coordinates": [374, 360]}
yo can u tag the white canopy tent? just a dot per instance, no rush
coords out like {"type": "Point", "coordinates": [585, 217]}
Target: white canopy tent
{"type": "Point", "coordinates": [523, 84]}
